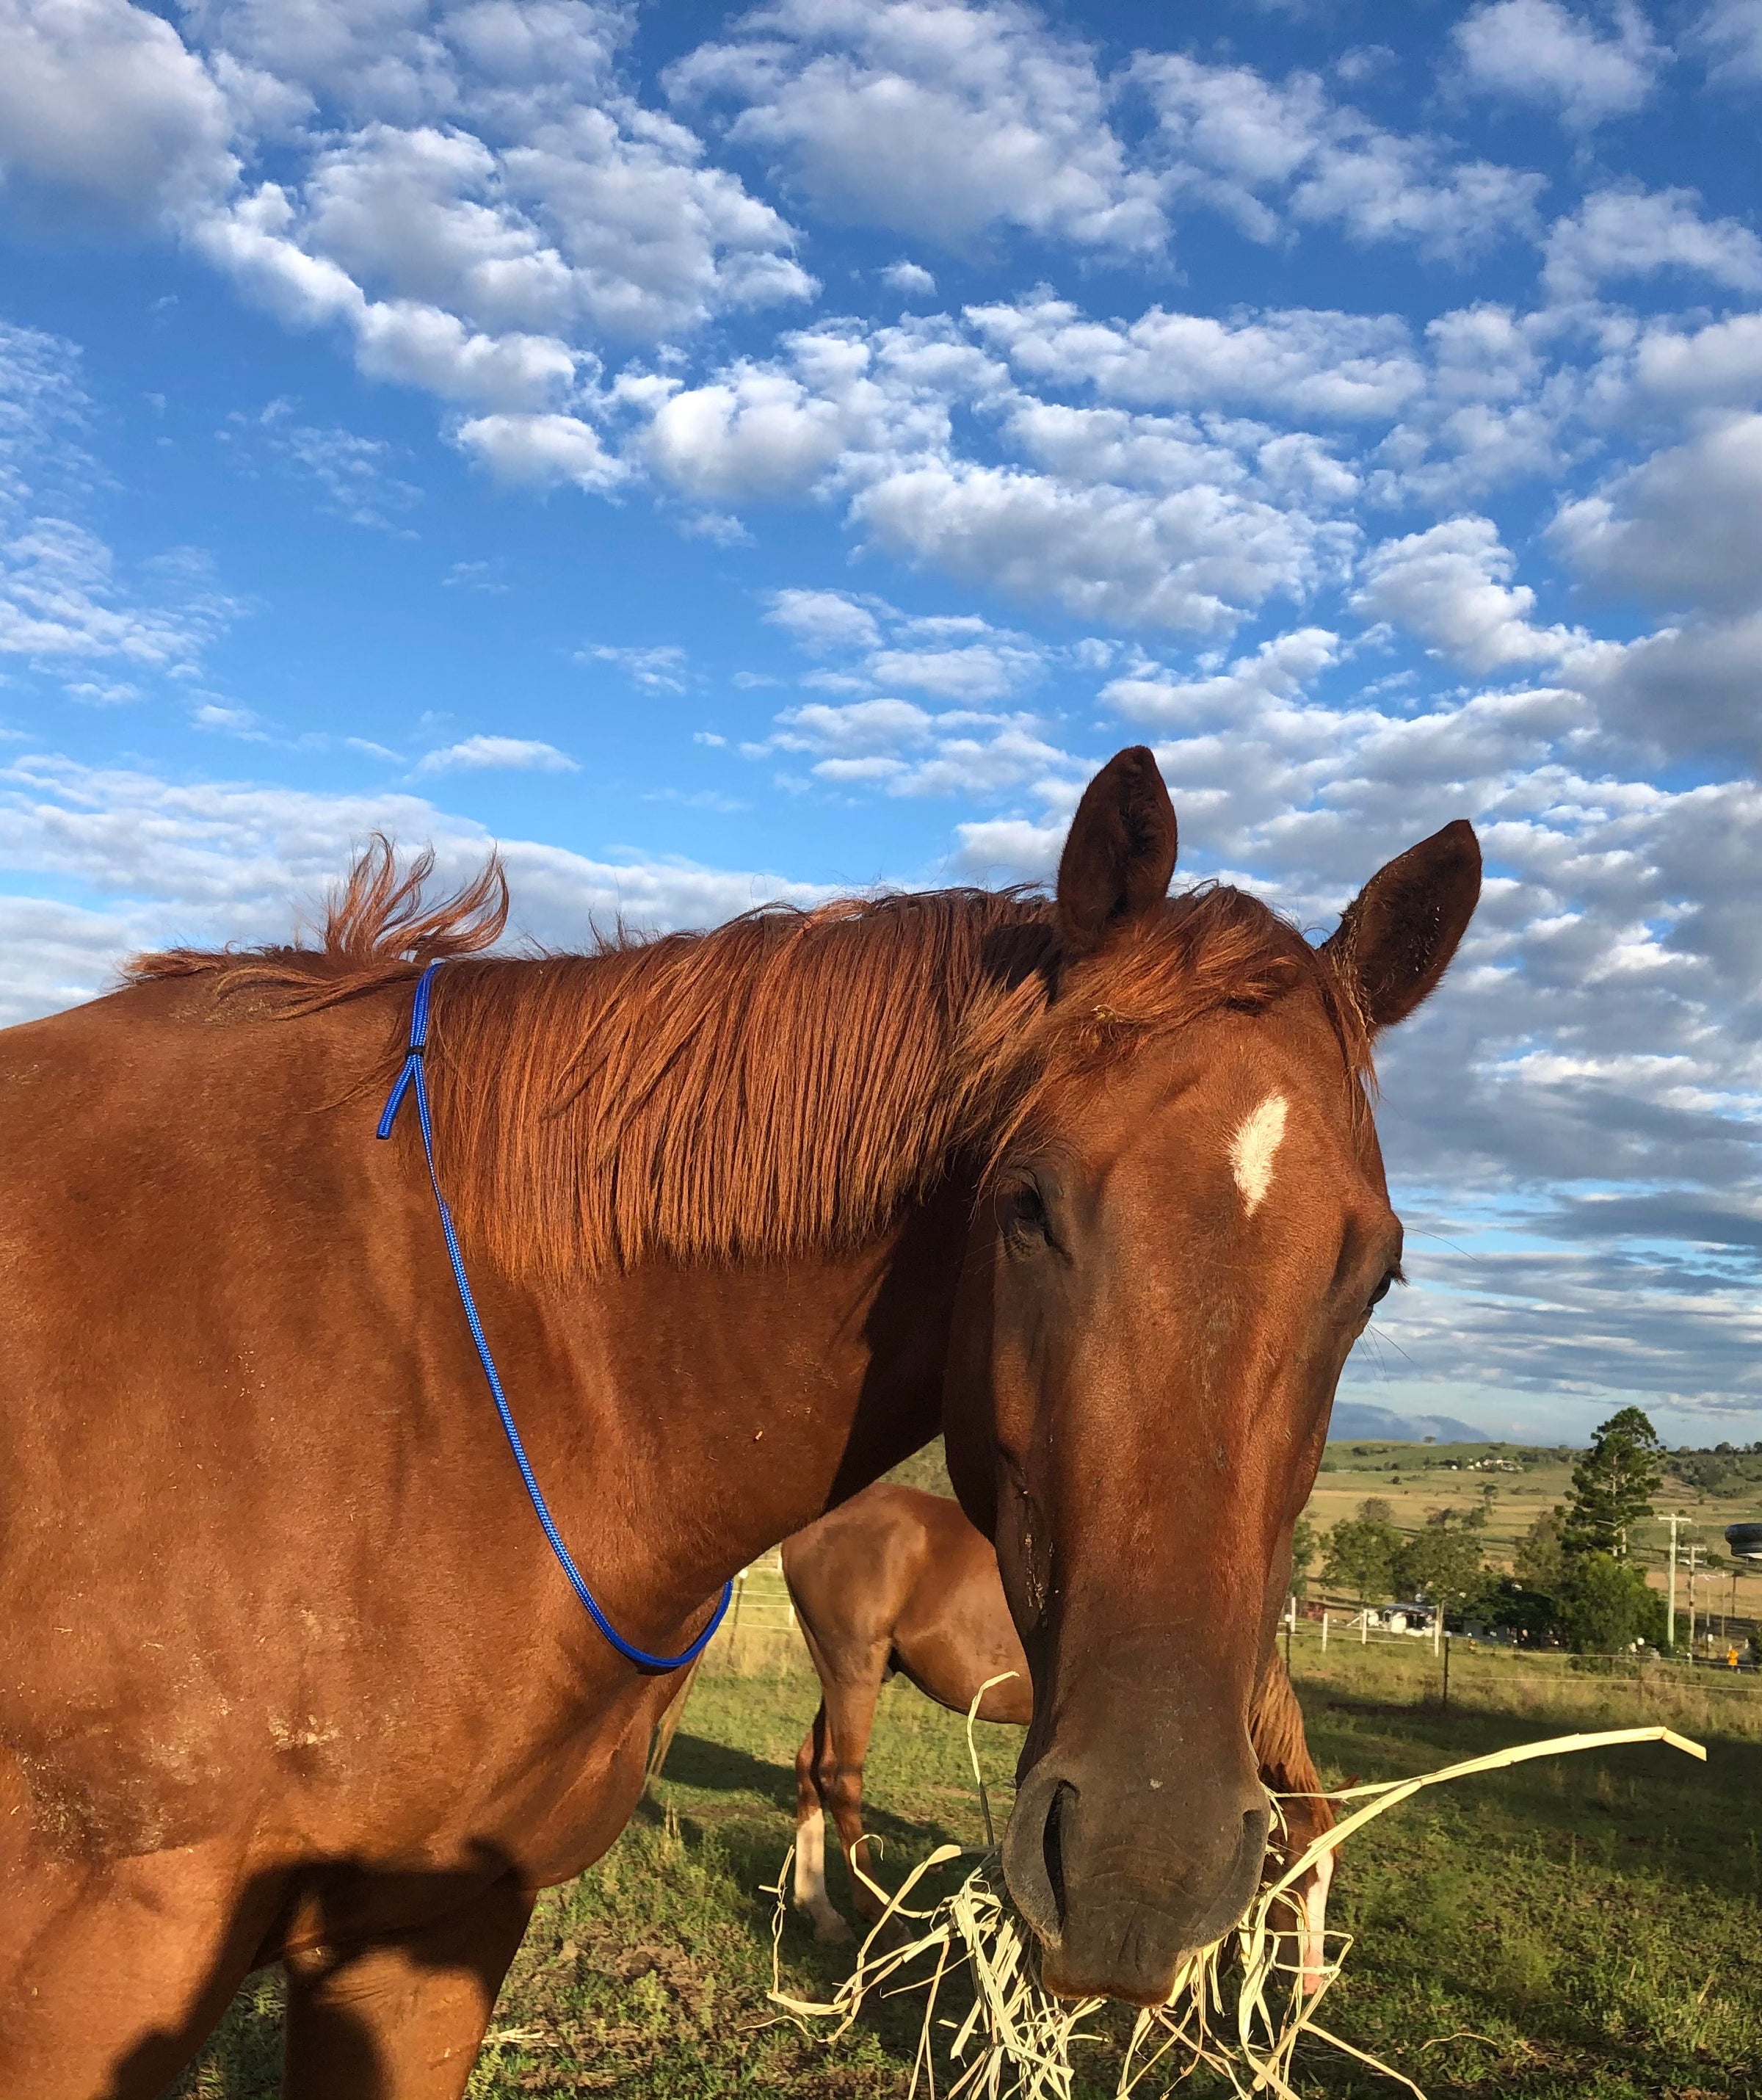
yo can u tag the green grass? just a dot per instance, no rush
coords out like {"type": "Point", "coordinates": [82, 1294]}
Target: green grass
{"type": "Point", "coordinates": [1583, 1929]}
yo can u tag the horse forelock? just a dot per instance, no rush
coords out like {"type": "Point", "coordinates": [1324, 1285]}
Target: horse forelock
{"type": "Point", "coordinates": [781, 1085]}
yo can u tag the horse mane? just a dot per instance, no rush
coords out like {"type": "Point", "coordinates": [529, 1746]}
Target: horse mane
{"type": "Point", "coordinates": [783, 1084]}
{"type": "Point", "coordinates": [1281, 1745]}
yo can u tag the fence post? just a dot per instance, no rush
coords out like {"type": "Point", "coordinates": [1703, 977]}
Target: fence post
{"type": "Point", "coordinates": [1447, 1672]}
{"type": "Point", "coordinates": [733, 1629]}
{"type": "Point", "coordinates": [1325, 1630]}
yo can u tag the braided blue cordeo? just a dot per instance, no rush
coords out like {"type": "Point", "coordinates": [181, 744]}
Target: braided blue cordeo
{"type": "Point", "coordinates": [410, 1077]}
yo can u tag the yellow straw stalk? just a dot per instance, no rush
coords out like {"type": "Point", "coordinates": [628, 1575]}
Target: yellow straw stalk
{"type": "Point", "coordinates": [1014, 2041]}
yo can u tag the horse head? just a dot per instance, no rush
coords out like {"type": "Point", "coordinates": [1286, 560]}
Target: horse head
{"type": "Point", "coordinates": [1183, 1230]}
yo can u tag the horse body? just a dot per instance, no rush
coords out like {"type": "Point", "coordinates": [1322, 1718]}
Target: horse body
{"type": "Point", "coordinates": [286, 1668]}
{"type": "Point", "coordinates": [290, 1671]}
{"type": "Point", "coordinates": [897, 1579]}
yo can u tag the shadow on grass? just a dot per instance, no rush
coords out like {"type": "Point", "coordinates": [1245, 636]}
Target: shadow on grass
{"type": "Point", "coordinates": [1648, 1805]}
{"type": "Point", "coordinates": [713, 1767]}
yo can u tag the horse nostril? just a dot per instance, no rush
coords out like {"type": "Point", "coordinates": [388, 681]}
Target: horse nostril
{"type": "Point", "coordinates": [1052, 1845]}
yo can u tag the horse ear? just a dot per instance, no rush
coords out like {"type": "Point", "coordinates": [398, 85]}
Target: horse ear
{"type": "Point", "coordinates": [1120, 854]}
{"type": "Point", "coordinates": [1395, 939]}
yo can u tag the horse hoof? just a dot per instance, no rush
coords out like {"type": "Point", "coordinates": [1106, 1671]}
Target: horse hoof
{"type": "Point", "coordinates": [833, 1932]}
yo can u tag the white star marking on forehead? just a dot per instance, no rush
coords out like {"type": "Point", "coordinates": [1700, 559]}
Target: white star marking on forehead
{"type": "Point", "coordinates": [1253, 1147]}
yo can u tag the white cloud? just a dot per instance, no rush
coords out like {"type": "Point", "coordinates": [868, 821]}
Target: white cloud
{"type": "Point", "coordinates": [1626, 231]}
{"type": "Point", "coordinates": [582, 221]}
{"type": "Point", "coordinates": [929, 117]}
{"type": "Point", "coordinates": [911, 279]}
{"type": "Point", "coordinates": [1193, 559]}
{"type": "Point", "coordinates": [1299, 361]}
{"type": "Point", "coordinates": [352, 473]}
{"type": "Point", "coordinates": [1537, 52]}
{"type": "Point", "coordinates": [1450, 586]}
{"type": "Point", "coordinates": [67, 605]}
{"type": "Point", "coordinates": [475, 754]}
{"type": "Point", "coordinates": [978, 671]}
{"type": "Point", "coordinates": [820, 620]}
{"type": "Point", "coordinates": [658, 668]}
{"type": "Point", "coordinates": [1688, 690]}
{"type": "Point", "coordinates": [1719, 364]}
{"type": "Point", "coordinates": [904, 749]}
{"type": "Point", "coordinates": [958, 657]}
{"type": "Point", "coordinates": [237, 862]}
{"type": "Point", "coordinates": [101, 103]}
{"type": "Point", "coordinates": [377, 58]}
{"type": "Point", "coordinates": [861, 728]}
{"type": "Point", "coordinates": [417, 345]}
{"type": "Point", "coordinates": [1682, 529]}
{"type": "Point", "coordinates": [60, 598]}
{"type": "Point", "coordinates": [1234, 140]}
{"type": "Point", "coordinates": [1730, 32]}
{"type": "Point", "coordinates": [472, 195]}
{"type": "Point", "coordinates": [484, 576]}
{"type": "Point", "coordinates": [542, 450]}
{"type": "Point", "coordinates": [1280, 669]}
{"type": "Point", "coordinates": [754, 434]}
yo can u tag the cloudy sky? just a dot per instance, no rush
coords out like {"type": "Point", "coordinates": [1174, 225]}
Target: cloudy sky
{"type": "Point", "coordinates": [727, 454]}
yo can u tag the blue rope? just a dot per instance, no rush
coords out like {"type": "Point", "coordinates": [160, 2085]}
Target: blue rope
{"type": "Point", "coordinates": [412, 1076]}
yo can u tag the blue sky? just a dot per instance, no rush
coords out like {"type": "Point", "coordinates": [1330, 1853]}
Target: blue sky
{"type": "Point", "coordinates": [726, 454]}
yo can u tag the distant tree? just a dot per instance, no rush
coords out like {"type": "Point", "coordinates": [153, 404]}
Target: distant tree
{"type": "Point", "coordinates": [1539, 1562]}
{"type": "Point", "coordinates": [1361, 1556]}
{"type": "Point", "coordinates": [1613, 1485]}
{"type": "Point", "coordinates": [1304, 1542]}
{"type": "Point", "coordinates": [1374, 1509]}
{"type": "Point", "coordinates": [1532, 1615]}
{"type": "Point", "coordinates": [1605, 1605]}
{"type": "Point", "coordinates": [1444, 1565]}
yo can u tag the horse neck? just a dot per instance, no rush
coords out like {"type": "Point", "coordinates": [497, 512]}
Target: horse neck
{"type": "Point", "coordinates": [738, 1402]}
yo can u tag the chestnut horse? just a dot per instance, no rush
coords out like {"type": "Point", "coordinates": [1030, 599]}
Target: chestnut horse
{"type": "Point", "coordinates": [898, 1580]}
{"type": "Point", "coordinates": [289, 1672]}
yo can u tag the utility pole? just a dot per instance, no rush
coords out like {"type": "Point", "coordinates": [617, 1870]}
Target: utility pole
{"type": "Point", "coordinates": [1693, 1555]}
{"type": "Point", "coordinates": [1670, 1616]}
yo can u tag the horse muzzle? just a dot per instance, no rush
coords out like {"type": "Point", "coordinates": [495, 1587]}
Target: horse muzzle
{"type": "Point", "coordinates": [1121, 1877]}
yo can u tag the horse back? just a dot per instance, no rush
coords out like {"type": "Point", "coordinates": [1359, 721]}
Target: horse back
{"type": "Point", "coordinates": [901, 1572]}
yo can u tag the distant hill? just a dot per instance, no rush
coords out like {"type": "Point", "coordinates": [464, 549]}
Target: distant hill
{"type": "Point", "coordinates": [1354, 1423]}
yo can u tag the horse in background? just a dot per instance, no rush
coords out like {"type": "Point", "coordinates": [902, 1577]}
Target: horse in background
{"type": "Point", "coordinates": [288, 1673]}
{"type": "Point", "coordinates": [897, 1579]}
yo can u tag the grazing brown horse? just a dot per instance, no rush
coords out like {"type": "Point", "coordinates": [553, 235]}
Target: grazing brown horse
{"type": "Point", "coordinates": [288, 1673]}
{"type": "Point", "coordinates": [898, 1580]}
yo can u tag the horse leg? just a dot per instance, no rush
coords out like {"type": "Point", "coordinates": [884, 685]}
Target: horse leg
{"type": "Point", "coordinates": [1312, 1893]}
{"type": "Point", "coordinates": [403, 2019]}
{"type": "Point", "coordinates": [668, 1725]}
{"type": "Point", "coordinates": [850, 1705]}
{"type": "Point", "coordinates": [810, 1837]}
{"type": "Point", "coordinates": [112, 1977]}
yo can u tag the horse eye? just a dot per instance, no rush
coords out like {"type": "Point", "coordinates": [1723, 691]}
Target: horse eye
{"type": "Point", "coordinates": [1381, 1291]}
{"type": "Point", "coordinates": [1024, 1214]}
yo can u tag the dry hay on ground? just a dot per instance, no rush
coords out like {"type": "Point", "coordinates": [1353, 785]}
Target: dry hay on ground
{"type": "Point", "coordinates": [1239, 2006]}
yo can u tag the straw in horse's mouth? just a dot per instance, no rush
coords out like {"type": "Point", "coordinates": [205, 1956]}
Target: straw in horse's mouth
{"type": "Point", "coordinates": [1014, 2041]}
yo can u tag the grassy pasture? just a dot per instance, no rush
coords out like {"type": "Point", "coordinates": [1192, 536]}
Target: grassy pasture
{"type": "Point", "coordinates": [1579, 1930]}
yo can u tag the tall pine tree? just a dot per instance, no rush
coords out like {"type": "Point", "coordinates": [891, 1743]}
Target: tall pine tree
{"type": "Point", "coordinates": [1613, 1485]}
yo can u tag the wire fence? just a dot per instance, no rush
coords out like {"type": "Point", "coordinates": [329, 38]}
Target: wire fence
{"type": "Point", "coordinates": [1355, 1652]}
{"type": "Point", "coordinates": [760, 1631]}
